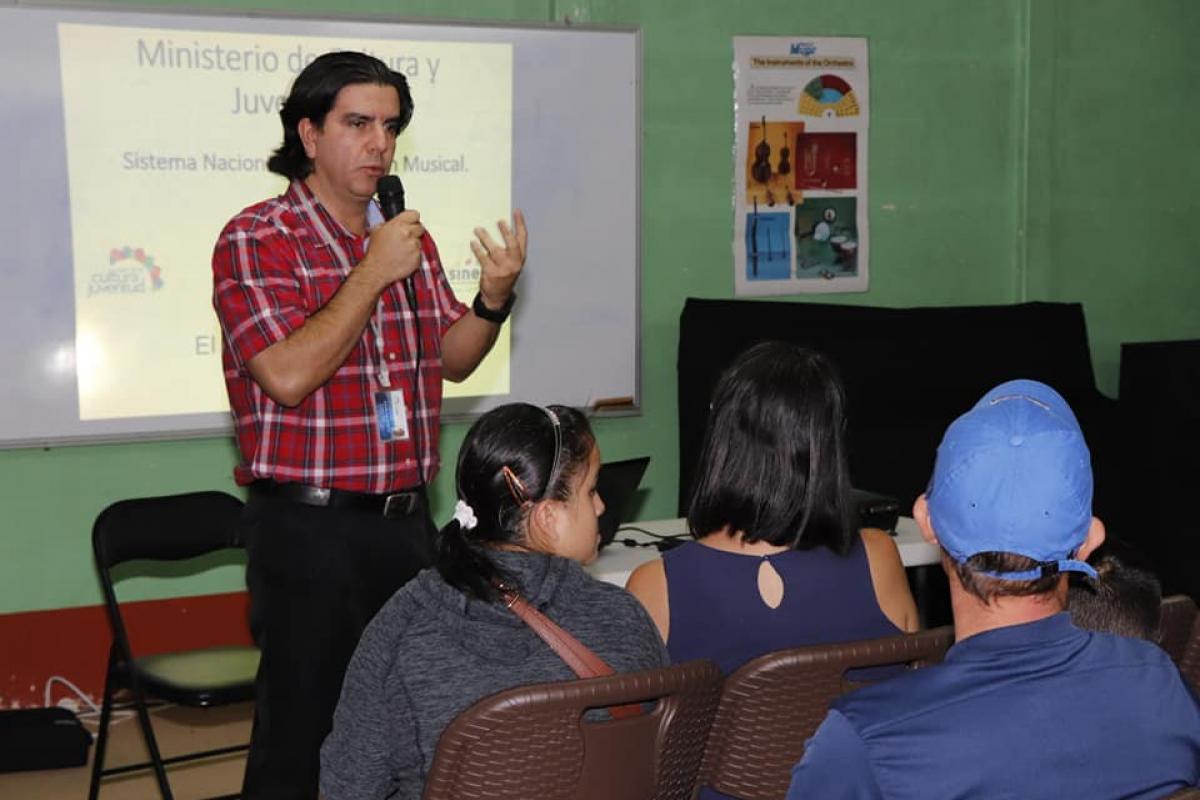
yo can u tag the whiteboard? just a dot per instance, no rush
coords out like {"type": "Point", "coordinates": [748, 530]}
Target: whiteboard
{"type": "Point", "coordinates": [109, 217]}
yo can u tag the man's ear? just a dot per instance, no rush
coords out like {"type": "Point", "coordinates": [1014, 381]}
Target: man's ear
{"type": "Point", "coordinates": [921, 515]}
{"type": "Point", "coordinates": [1095, 538]}
{"type": "Point", "coordinates": [308, 136]}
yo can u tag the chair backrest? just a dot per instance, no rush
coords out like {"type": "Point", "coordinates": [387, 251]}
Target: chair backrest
{"type": "Point", "coordinates": [167, 528]}
{"type": "Point", "coordinates": [535, 741]}
{"type": "Point", "coordinates": [772, 705]}
{"type": "Point", "coordinates": [1191, 793]}
{"type": "Point", "coordinates": [1175, 624]}
{"type": "Point", "coordinates": [1189, 660]}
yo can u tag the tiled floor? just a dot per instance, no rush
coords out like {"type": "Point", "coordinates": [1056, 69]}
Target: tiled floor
{"type": "Point", "coordinates": [179, 730]}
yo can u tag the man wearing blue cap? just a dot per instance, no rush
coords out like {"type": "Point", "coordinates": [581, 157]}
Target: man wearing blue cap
{"type": "Point", "coordinates": [1025, 705]}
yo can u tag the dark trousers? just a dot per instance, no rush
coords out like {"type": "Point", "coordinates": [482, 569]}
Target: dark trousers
{"type": "Point", "coordinates": [316, 578]}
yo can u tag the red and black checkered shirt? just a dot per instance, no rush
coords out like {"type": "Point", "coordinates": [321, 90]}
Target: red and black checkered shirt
{"type": "Point", "coordinates": [275, 265]}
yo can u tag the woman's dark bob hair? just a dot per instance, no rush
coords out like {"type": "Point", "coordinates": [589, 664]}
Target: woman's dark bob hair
{"type": "Point", "coordinates": [773, 464]}
{"type": "Point", "coordinates": [521, 437]}
{"type": "Point", "coordinates": [313, 94]}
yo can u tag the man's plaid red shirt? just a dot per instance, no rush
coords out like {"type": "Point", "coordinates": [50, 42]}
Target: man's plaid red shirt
{"type": "Point", "coordinates": [276, 264]}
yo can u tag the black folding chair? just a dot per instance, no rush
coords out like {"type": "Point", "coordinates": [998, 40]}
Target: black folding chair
{"type": "Point", "coordinates": [171, 528]}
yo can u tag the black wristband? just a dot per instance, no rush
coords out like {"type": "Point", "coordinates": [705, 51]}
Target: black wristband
{"type": "Point", "coordinates": [499, 315]}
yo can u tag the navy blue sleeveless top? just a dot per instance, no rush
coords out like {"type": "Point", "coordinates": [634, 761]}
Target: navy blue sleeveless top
{"type": "Point", "coordinates": [717, 613]}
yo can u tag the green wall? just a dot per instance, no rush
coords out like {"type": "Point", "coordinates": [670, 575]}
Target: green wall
{"type": "Point", "coordinates": [1114, 163]}
{"type": "Point", "coordinates": [991, 182]}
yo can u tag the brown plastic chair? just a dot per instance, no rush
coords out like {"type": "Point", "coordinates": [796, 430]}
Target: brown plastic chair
{"type": "Point", "coordinates": [772, 705]}
{"type": "Point", "coordinates": [534, 741]}
{"type": "Point", "coordinates": [1189, 660]}
{"type": "Point", "coordinates": [1175, 624]}
{"type": "Point", "coordinates": [171, 528]}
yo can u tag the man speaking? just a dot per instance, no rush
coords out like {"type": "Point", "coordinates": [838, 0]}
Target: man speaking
{"type": "Point", "coordinates": [338, 329]}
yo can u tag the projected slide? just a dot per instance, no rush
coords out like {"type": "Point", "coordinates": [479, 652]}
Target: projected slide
{"type": "Point", "coordinates": [132, 137]}
{"type": "Point", "coordinates": [173, 141]}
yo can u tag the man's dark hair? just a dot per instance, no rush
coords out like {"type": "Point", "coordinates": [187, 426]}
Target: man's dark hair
{"type": "Point", "coordinates": [1124, 600]}
{"type": "Point", "coordinates": [773, 463]}
{"type": "Point", "coordinates": [986, 587]}
{"type": "Point", "coordinates": [313, 95]}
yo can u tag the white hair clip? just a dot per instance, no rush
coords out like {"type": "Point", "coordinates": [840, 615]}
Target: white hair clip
{"type": "Point", "coordinates": [464, 515]}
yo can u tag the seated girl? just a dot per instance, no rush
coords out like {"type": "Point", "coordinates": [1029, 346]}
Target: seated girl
{"type": "Point", "coordinates": [526, 518]}
{"type": "Point", "coordinates": [776, 563]}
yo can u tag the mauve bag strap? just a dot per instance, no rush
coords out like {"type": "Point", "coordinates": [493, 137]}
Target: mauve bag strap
{"type": "Point", "coordinates": [582, 661]}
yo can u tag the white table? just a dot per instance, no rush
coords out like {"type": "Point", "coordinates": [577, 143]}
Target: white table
{"type": "Point", "coordinates": [616, 561]}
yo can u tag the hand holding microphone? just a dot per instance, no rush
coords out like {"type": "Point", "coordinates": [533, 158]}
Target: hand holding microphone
{"type": "Point", "coordinates": [396, 244]}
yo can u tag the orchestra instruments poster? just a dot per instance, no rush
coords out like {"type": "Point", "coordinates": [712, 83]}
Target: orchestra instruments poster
{"type": "Point", "coordinates": [801, 117]}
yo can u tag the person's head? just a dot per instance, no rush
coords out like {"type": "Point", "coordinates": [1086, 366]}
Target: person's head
{"type": "Point", "coordinates": [342, 116]}
{"type": "Point", "coordinates": [773, 463]}
{"type": "Point", "coordinates": [1010, 500]}
{"type": "Point", "coordinates": [1123, 600]}
{"type": "Point", "coordinates": [526, 480]}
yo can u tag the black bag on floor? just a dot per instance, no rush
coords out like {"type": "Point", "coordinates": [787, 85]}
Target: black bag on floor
{"type": "Point", "coordinates": [41, 738]}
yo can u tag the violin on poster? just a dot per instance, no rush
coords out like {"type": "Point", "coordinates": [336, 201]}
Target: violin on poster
{"type": "Point", "coordinates": [785, 155]}
{"type": "Point", "coordinates": [760, 170]}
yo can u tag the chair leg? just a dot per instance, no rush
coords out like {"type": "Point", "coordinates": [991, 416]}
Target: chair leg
{"type": "Point", "coordinates": [160, 771]}
{"type": "Point", "coordinates": [102, 731]}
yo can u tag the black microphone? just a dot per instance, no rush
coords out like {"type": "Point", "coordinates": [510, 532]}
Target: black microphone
{"type": "Point", "coordinates": [391, 195]}
{"type": "Point", "coordinates": [391, 202]}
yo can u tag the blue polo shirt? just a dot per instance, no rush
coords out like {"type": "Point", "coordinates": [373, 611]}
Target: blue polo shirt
{"type": "Point", "coordinates": [1040, 710]}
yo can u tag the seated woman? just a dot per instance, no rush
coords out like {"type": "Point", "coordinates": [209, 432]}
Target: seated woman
{"type": "Point", "coordinates": [526, 518]}
{"type": "Point", "coordinates": [776, 563]}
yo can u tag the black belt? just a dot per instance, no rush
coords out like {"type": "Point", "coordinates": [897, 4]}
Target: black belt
{"type": "Point", "coordinates": [397, 504]}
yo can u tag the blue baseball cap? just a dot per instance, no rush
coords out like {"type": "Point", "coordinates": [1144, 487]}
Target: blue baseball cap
{"type": "Point", "coordinates": [1014, 475]}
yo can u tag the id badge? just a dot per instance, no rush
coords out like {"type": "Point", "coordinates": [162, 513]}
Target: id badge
{"type": "Point", "coordinates": [391, 415]}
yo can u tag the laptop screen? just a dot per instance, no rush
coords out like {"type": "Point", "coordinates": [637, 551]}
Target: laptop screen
{"type": "Point", "coordinates": [617, 482]}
